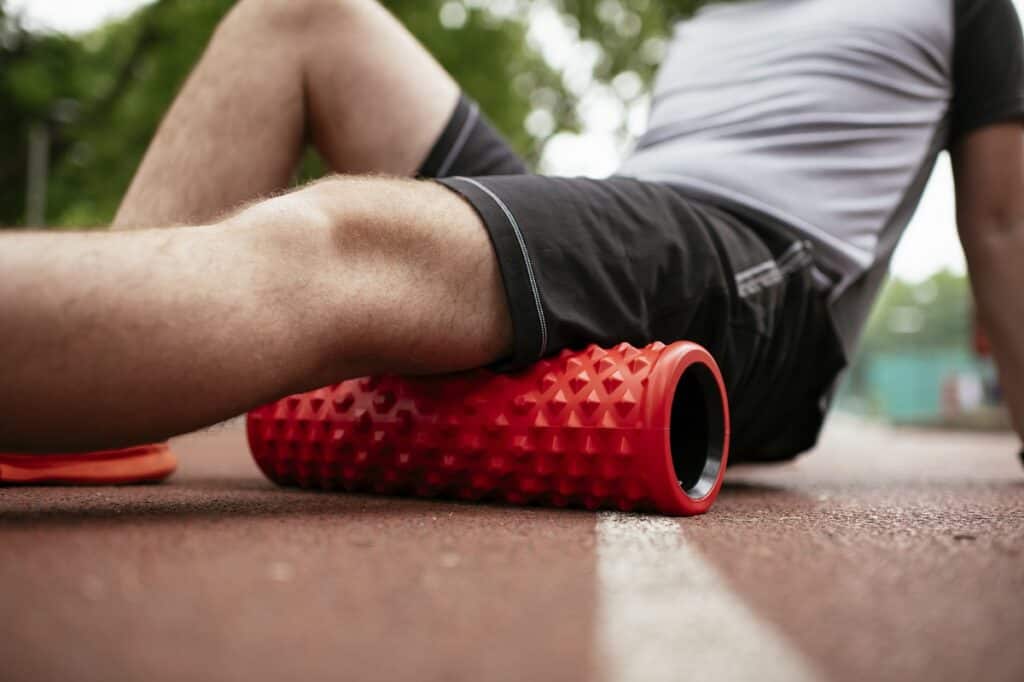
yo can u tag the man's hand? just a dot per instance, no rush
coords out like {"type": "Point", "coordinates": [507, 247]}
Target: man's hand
{"type": "Point", "coordinates": [989, 168]}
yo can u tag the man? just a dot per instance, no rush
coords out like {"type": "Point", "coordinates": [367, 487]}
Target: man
{"type": "Point", "coordinates": [789, 142]}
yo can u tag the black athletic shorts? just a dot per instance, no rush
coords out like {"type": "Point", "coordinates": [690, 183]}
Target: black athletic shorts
{"type": "Point", "coordinates": [604, 261]}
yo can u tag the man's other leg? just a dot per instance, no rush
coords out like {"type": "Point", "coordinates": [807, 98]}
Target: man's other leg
{"type": "Point", "coordinates": [344, 73]}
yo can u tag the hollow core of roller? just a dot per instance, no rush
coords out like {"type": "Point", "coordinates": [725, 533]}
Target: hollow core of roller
{"type": "Point", "coordinates": [697, 431]}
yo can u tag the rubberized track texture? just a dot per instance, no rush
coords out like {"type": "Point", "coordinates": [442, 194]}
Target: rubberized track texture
{"type": "Point", "coordinates": [139, 464]}
{"type": "Point", "coordinates": [622, 428]}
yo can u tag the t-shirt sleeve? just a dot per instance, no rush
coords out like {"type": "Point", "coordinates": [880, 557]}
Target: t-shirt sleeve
{"type": "Point", "coordinates": [988, 66]}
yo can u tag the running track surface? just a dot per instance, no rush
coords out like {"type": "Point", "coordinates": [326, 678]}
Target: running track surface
{"type": "Point", "coordinates": [884, 555]}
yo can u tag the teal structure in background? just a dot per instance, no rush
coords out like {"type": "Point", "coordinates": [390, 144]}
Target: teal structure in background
{"type": "Point", "coordinates": [908, 386]}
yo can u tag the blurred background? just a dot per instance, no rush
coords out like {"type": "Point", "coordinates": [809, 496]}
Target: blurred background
{"type": "Point", "coordinates": [83, 86]}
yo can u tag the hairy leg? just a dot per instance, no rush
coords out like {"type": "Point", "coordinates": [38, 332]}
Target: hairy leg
{"type": "Point", "coordinates": [117, 338]}
{"type": "Point", "coordinates": [343, 73]}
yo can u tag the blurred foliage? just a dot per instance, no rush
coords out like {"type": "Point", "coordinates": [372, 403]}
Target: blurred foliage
{"type": "Point", "coordinates": [913, 317]}
{"type": "Point", "coordinates": [627, 33]}
{"type": "Point", "coordinates": [922, 315]}
{"type": "Point", "coordinates": [102, 94]}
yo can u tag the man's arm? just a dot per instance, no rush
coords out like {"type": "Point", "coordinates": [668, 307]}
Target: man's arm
{"type": "Point", "coordinates": [110, 339]}
{"type": "Point", "coordinates": [988, 165]}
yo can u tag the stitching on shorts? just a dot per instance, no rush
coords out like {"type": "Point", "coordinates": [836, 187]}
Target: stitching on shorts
{"type": "Point", "coordinates": [526, 259]}
{"type": "Point", "coordinates": [771, 277]}
{"type": "Point", "coordinates": [751, 281]}
{"type": "Point", "coordinates": [789, 253]}
{"type": "Point", "coordinates": [747, 274]}
{"type": "Point", "coordinates": [460, 141]}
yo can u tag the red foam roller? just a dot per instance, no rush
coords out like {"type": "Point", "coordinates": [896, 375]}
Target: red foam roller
{"type": "Point", "coordinates": [623, 428]}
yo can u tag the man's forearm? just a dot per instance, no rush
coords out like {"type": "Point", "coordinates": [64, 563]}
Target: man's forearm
{"type": "Point", "coordinates": [997, 278]}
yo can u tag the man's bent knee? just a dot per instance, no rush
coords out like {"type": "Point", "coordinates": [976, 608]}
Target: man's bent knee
{"type": "Point", "coordinates": [300, 15]}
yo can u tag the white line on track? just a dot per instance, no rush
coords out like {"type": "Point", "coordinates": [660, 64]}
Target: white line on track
{"type": "Point", "coordinates": [665, 614]}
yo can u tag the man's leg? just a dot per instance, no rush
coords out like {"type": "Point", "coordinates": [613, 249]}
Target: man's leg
{"type": "Point", "coordinates": [118, 338]}
{"type": "Point", "coordinates": [343, 73]}
{"type": "Point", "coordinates": [198, 166]}
{"type": "Point", "coordinates": [115, 338]}
{"type": "Point", "coordinates": [278, 72]}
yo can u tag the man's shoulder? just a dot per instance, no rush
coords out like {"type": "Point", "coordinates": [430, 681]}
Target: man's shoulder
{"type": "Point", "coordinates": [967, 11]}
{"type": "Point", "coordinates": [988, 68]}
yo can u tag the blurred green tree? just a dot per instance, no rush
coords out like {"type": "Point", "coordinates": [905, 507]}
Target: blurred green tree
{"type": "Point", "coordinates": [915, 318]}
{"type": "Point", "coordinates": [921, 315]}
{"type": "Point", "coordinates": [100, 95]}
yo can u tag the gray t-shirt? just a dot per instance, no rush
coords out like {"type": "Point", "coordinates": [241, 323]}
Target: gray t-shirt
{"type": "Point", "coordinates": [826, 117]}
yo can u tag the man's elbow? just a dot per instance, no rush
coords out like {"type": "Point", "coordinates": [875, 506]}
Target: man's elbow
{"type": "Point", "coordinates": [993, 235]}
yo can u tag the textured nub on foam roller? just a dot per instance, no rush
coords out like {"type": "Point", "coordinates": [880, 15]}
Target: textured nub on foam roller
{"type": "Point", "coordinates": [623, 428]}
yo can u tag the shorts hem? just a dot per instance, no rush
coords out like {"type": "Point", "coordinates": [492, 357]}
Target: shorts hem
{"type": "Point", "coordinates": [517, 272]}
